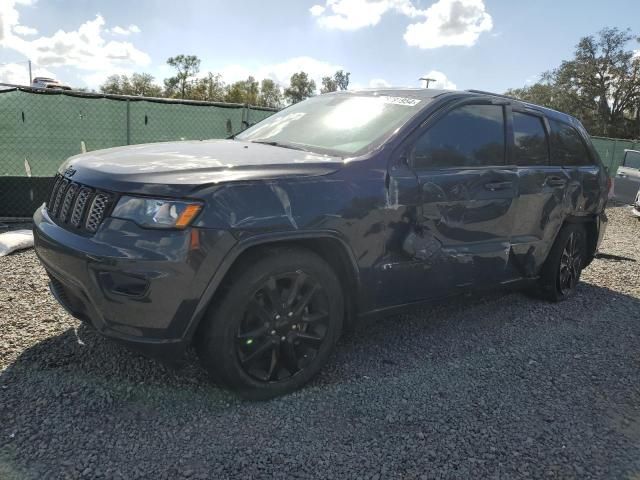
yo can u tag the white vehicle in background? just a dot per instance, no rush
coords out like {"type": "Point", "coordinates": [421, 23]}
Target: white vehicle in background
{"type": "Point", "coordinates": [49, 83]}
{"type": "Point", "coordinates": [627, 179]}
{"type": "Point", "coordinates": [636, 206]}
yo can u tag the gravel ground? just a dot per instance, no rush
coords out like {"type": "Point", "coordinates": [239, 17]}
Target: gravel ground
{"type": "Point", "coordinates": [502, 386]}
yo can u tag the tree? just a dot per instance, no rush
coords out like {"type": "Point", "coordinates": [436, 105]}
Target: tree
{"type": "Point", "coordinates": [339, 81]}
{"type": "Point", "coordinates": [342, 79]}
{"type": "Point", "coordinates": [328, 85]}
{"type": "Point", "coordinates": [187, 66]}
{"type": "Point", "coordinates": [210, 88]}
{"type": "Point", "coordinates": [600, 85]}
{"type": "Point", "coordinates": [270, 94]}
{"type": "Point", "coordinates": [140, 84]}
{"type": "Point", "coordinates": [244, 91]}
{"type": "Point", "coordinates": [113, 85]}
{"type": "Point", "coordinates": [300, 88]}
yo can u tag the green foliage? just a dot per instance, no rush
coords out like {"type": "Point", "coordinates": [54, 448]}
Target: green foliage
{"type": "Point", "coordinates": [244, 91]}
{"type": "Point", "coordinates": [600, 85]}
{"type": "Point", "coordinates": [270, 94]}
{"type": "Point", "coordinates": [210, 88]}
{"type": "Point", "coordinates": [186, 66]}
{"type": "Point", "coordinates": [186, 84]}
{"type": "Point", "coordinates": [339, 81]}
{"type": "Point", "coordinates": [300, 88]}
{"type": "Point", "coordinates": [138, 84]}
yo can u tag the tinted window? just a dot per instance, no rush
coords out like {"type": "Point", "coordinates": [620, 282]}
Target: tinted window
{"type": "Point", "coordinates": [470, 136]}
{"type": "Point", "coordinates": [567, 147]}
{"type": "Point", "coordinates": [530, 140]}
{"type": "Point", "coordinates": [632, 160]}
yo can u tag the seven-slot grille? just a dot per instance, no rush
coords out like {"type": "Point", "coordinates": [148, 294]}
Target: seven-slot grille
{"type": "Point", "coordinates": [75, 205]}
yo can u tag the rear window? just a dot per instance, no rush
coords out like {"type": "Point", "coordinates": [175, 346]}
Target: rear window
{"type": "Point", "coordinates": [632, 160]}
{"type": "Point", "coordinates": [530, 140]}
{"type": "Point", "coordinates": [567, 147]}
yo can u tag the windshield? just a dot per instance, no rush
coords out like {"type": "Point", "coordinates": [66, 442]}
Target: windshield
{"type": "Point", "coordinates": [342, 124]}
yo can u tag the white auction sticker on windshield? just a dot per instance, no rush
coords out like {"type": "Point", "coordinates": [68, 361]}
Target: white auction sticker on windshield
{"type": "Point", "coordinates": [406, 101]}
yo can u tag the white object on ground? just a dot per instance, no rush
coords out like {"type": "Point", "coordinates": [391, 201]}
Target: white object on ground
{"type": "Point", "coordinates": [16, 240]}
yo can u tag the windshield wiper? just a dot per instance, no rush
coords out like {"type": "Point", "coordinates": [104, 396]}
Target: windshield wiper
{"type": "Point", "coordinates": [278, 144]}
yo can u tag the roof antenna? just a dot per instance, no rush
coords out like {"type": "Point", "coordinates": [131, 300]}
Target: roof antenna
{"type": "Point", "coordinates": [428, 80]}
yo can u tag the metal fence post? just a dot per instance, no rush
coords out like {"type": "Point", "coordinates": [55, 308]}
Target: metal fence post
{"type": "Point", "coordinates": [128, 123]}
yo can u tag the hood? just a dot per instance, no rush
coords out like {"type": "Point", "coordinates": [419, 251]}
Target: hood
{"type": "Point", "coordinates": [166, 168]}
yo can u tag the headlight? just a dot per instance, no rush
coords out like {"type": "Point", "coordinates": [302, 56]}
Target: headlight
{"type": "Point", "coordinates": [157, 213]}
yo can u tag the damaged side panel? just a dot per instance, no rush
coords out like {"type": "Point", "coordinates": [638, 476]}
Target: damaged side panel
{"type": "Point", "coordinates": [450, 230]}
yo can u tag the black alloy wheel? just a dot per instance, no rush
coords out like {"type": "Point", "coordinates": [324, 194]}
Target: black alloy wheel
{"type": "Point", "coordinates": [275, 323]}
{"type": "Point", "coordinates": [571, 262]}
{"type": "Point", "coordinates": [285, 323]}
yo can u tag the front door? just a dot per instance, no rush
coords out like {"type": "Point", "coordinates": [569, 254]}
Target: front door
{"type": "Point", "coordinates": [460, 233]}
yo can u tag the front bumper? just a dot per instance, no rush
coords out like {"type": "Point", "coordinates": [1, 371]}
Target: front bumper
{"type": "Point", "coordinates": [139, 286]}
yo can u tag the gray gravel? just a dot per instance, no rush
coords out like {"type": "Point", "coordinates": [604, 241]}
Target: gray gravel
{"type": "Point", "coordinates": [503, 386]}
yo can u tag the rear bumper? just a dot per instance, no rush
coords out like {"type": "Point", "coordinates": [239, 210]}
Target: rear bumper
{"type": "Point", "coordinates": [138, 286]}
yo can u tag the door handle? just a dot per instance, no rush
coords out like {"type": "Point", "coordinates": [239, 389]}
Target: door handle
{"type": "Point", "coordinates": [555, 182]}
{"type": "Point", "coordinates": [493, 186]}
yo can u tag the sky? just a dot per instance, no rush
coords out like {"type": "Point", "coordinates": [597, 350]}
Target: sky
{"type": "Point", "coordinates": [483, 44]}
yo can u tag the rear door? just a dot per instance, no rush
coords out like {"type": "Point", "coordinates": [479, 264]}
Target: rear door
{"type": "Point", "coordinates": [543, 184]}
{"type": "Point", "coordinates": [627, 179]}
{"type": "Point", "coordinates": [466, 203]}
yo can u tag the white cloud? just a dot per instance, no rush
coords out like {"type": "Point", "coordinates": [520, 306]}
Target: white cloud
{"type": "Point", "coordinates": [124, 31]}
{"type": "Point", "coordinates": [22, 30]}
{"type": "Point", "coordinates": [356, 14]}
{"type": "Point", "coordinates": [450, 22]}
{"type": "Point", "coordinates": [317, 10]}
{"type": "Point", "coordinates": [18, 73]}
{"type": "Point", "coordinates": [446, 22]}
{"type": "Point", "coordinates": [281, 72]}
{"type": "Point", "coordinates": [85, 48]}
{"type": "Point", "coordinates": [378, 83]}
{"type": "Point", "coordinates": [440, 81]}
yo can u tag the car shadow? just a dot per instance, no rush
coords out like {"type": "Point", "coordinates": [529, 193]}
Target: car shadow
{"type": "Point", "coordinates": [82, 356]}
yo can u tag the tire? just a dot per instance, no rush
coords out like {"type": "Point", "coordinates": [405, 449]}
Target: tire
{"type": "Point", "coordinates": [563, 267]}
{"type": "Point", "coordinates": [276, 324]}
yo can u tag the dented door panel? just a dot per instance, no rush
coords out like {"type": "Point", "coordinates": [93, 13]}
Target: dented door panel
{"type": "Point", "coordinates": [452, 231]}
{"type": "Point", "coordinates": [542, 205]}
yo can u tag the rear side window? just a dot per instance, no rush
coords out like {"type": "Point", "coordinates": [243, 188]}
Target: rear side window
{"type": "Point", "coordinates": [530, 140]}
{"type": "Point", "coordinates": [567, 147]}
{"type": "Point", "coordinates": [632, 160]}
{"type": "Point", "coordinates": [469, 136]}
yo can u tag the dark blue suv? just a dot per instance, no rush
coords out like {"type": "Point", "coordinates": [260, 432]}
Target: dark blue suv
{"type": "Point", "coordinates": [260, 250]}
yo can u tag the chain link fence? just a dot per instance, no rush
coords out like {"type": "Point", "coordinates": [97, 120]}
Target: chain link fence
{"type": "Point", "coordinates": [39, 129]}
{"type": "Point", "coordinates": [611, 151]}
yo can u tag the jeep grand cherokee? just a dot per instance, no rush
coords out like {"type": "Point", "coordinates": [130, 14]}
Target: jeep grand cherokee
{"type": "Point", "coordinates": [260, 250]}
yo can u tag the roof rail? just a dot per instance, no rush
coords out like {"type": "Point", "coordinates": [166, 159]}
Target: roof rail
{"type": "Point", "coordinates": [492, 94]}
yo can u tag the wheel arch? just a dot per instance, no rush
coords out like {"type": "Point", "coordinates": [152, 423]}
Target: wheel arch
{"type": "Point", "coordinates": [591, 226]}
{"type": "Point", "coordinates": [330, 246]}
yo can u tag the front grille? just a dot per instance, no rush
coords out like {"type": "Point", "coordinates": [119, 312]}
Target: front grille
{"type": "Point", "coordinates": [76, 206]}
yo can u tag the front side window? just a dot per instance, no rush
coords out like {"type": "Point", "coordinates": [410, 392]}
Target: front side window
{"type": "Point", "coordinates": [567, 147]}
{"type": "Point", "coordinates": [530, 140]}
{"type": "Point", "coordinates": [469, 136]}
{"type": "Point", "coordinates": [343, 124]}
{"type": "Point", "coordinates": [632, 160]}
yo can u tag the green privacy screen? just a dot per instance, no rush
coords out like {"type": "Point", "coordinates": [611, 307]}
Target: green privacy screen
{"type": "Point", "coordinates": [611, 151]}
{"type": "Point", "coordinates": [39, 130]}
{"type": "Point", "coordinates": [44, 128]}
